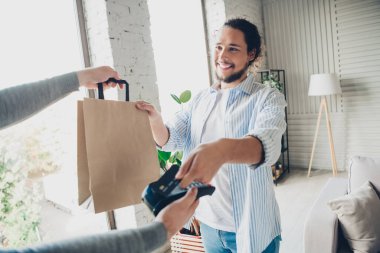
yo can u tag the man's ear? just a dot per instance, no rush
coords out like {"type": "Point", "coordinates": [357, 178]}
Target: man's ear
{"type": "Point", "coordinates": [251, 55]}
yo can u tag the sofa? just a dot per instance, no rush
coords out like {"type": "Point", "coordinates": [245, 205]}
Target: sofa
{"type": "Point", "coordinates": [323, 232]}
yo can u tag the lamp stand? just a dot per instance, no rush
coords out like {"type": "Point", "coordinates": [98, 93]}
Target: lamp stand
{"type": "Point", "coordinates": [323, 106]}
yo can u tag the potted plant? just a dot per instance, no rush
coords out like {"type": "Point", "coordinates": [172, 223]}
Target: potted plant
{"type": "Point", "coordinates": [168, 158]}
{"type": "Point", "coordinates": [272, 81]}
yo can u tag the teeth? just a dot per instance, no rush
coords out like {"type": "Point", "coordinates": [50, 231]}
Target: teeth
{"type": "Point", "coordinates": [224, 65]}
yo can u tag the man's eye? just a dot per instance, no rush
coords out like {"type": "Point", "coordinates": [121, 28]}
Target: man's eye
{"type": "Point", "coordinates": [233, 49]}
{"type": "Point", "coordinates": [219, 48]}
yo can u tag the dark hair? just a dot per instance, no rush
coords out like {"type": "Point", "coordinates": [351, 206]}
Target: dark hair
{"type": "Point", "coordinates": [251, 35]}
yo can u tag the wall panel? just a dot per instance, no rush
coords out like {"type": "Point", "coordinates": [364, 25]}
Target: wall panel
{"type": "Point", "coordinates": [321, 36]}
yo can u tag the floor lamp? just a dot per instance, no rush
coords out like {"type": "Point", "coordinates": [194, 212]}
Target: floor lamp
{"type": "Point", "coordinates": [324, 85]}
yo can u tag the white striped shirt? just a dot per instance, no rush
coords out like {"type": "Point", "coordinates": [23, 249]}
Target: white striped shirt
{"type": "Point", "coordinates": [252, 109]}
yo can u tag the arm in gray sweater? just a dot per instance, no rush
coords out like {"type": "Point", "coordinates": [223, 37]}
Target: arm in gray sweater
{"type": "Point", "coordinates": [144, 239]}
{"type": "Point", "coordinates": [20, 102]}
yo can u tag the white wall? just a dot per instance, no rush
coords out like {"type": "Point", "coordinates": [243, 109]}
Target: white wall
{"type": "Point", "coordinates": [119, 35]}
{"type": "Point", "coordinates": [342, 36]}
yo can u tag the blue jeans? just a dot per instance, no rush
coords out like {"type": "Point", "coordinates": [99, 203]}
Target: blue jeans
{"type": "Point", "coordinates": [218, 241]}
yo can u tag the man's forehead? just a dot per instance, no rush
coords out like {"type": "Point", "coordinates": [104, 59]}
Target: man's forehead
{"type": "Point", "coordinates": [230, 36]}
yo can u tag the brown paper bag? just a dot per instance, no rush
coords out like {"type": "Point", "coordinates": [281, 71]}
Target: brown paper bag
{"type": "Point", "coordinates": [117, 157]}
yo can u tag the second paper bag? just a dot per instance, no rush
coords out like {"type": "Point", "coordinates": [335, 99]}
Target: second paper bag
{"type": "Point", "coordinates": [117, 156]}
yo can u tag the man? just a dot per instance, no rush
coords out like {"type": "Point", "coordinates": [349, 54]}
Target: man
{"type": "Point", "coordinates": [231, 135]}
{"type": "Point", "coordinates": [20, 102]}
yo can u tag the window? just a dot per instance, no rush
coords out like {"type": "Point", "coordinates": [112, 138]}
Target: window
{"type": "Point", "coordinates": [40, 39]}
{"type": "Point", "coordinates": [179, 49]}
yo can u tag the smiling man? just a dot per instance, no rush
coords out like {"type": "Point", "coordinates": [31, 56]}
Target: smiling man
{"type": "Point", "coordinates": [231, 135]}
{"type": "Point", "coordinates": [232, 56]}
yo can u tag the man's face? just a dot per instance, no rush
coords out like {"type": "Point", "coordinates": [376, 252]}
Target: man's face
{"type": "Point", "coordinates": [231, 57]}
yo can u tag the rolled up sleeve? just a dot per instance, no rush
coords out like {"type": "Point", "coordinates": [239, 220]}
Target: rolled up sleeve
{"type": "Point", "coordinates": [269, 126]}
{"type": "Point", "coordinates": [177, 128]}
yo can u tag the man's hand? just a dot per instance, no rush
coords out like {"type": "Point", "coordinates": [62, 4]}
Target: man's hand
{"type": "Point", "coordinates": [159, 130]}
{"type": "Point", "coordinates": [89, 77]}
{"type": "Point", "coordinates": [154, 115]}
{"type": "Point", "coordinates": [175, 215]}
{"type": "Point", "coordinates": [202, 164]}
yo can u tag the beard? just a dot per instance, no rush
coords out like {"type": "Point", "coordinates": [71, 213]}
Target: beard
{"type": "Point", "coordinates": [233, 77]}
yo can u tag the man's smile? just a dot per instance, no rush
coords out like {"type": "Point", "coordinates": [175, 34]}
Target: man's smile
{"type": "Point", "coordinates": [224, 65]}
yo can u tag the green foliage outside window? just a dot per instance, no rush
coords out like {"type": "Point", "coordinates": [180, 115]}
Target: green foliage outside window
{"type": "Point", "coordinates": [24, 159]}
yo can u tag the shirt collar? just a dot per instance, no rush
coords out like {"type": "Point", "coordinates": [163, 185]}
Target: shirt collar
{"type": "Point", "coordinates": [246, 86]}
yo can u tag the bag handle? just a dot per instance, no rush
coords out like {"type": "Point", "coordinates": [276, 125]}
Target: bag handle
{"type": "Point", "coordinates": [113, 80]}
{"type": "Point", "coordinates": [195, 227]}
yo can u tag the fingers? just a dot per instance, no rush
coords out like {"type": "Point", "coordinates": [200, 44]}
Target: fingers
{"type": "Point", "coordinates": [188, 179]}
{"type": "Point", "coordinates": [113, 85]}
{"type": "Point", "coordinates": [142, 105]}
{"type": "Point", "coordinates": [116, 75]}
{"type": "Point", "coordinates": [177, 213]}
{"type": "Point", "coordinates": [89, 77]}
{"type": "Point", "coordinates": [107, 73]}
{"type": "Point", "coordinates": [107, 85]}
{"type": "Point", "coordinates": [190, 197]}
{"type": "Point", "coordinates": [187, 172]}
{"type": "Point", "coordinates": [189, 201]}
{"type": "Point", "coordinates": [184, 168]}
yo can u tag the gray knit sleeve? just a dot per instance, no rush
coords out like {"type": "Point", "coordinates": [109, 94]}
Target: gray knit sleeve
{"type": "Point", "coordinates": [141, 240]}
{"type": "Point", "coordinates": [20, 102]}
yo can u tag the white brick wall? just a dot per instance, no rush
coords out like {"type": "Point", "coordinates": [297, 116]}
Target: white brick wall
{"type": "Point", "coordinates": [119, 35]}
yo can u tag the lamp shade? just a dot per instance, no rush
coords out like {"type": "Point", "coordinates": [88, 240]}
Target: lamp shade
{"type": "Point", "coordinates": [324, 84]}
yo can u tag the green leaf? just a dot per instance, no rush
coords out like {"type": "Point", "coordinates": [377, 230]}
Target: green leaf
{"type": "Point", "coordinates": [179, 155]}
{"type": "Point", "coordinates": [176, 98]}
{"type": "Point", "coordinates": [176, 158]}
{"type": "Point", "coordinates": [172, 159]}
{"type": "Point", "coordinates": [185, 96]}
{"type": "Point", "coordinates": [163, 155]}
{"type": "Point", "coordinates": [163, 165]}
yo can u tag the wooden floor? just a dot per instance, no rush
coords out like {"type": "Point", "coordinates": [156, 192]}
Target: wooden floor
{"type": "Point", "coordinates": [295, 194]}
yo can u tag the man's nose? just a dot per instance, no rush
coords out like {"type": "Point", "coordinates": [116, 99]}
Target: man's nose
{"type": "Point", "coordinates": [223, 54]}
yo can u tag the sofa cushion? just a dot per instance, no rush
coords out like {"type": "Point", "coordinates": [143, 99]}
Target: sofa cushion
{"type": "Point", "coordinates": [364, 169]}
{"type": "Point", "coordinates": [358, 214]}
